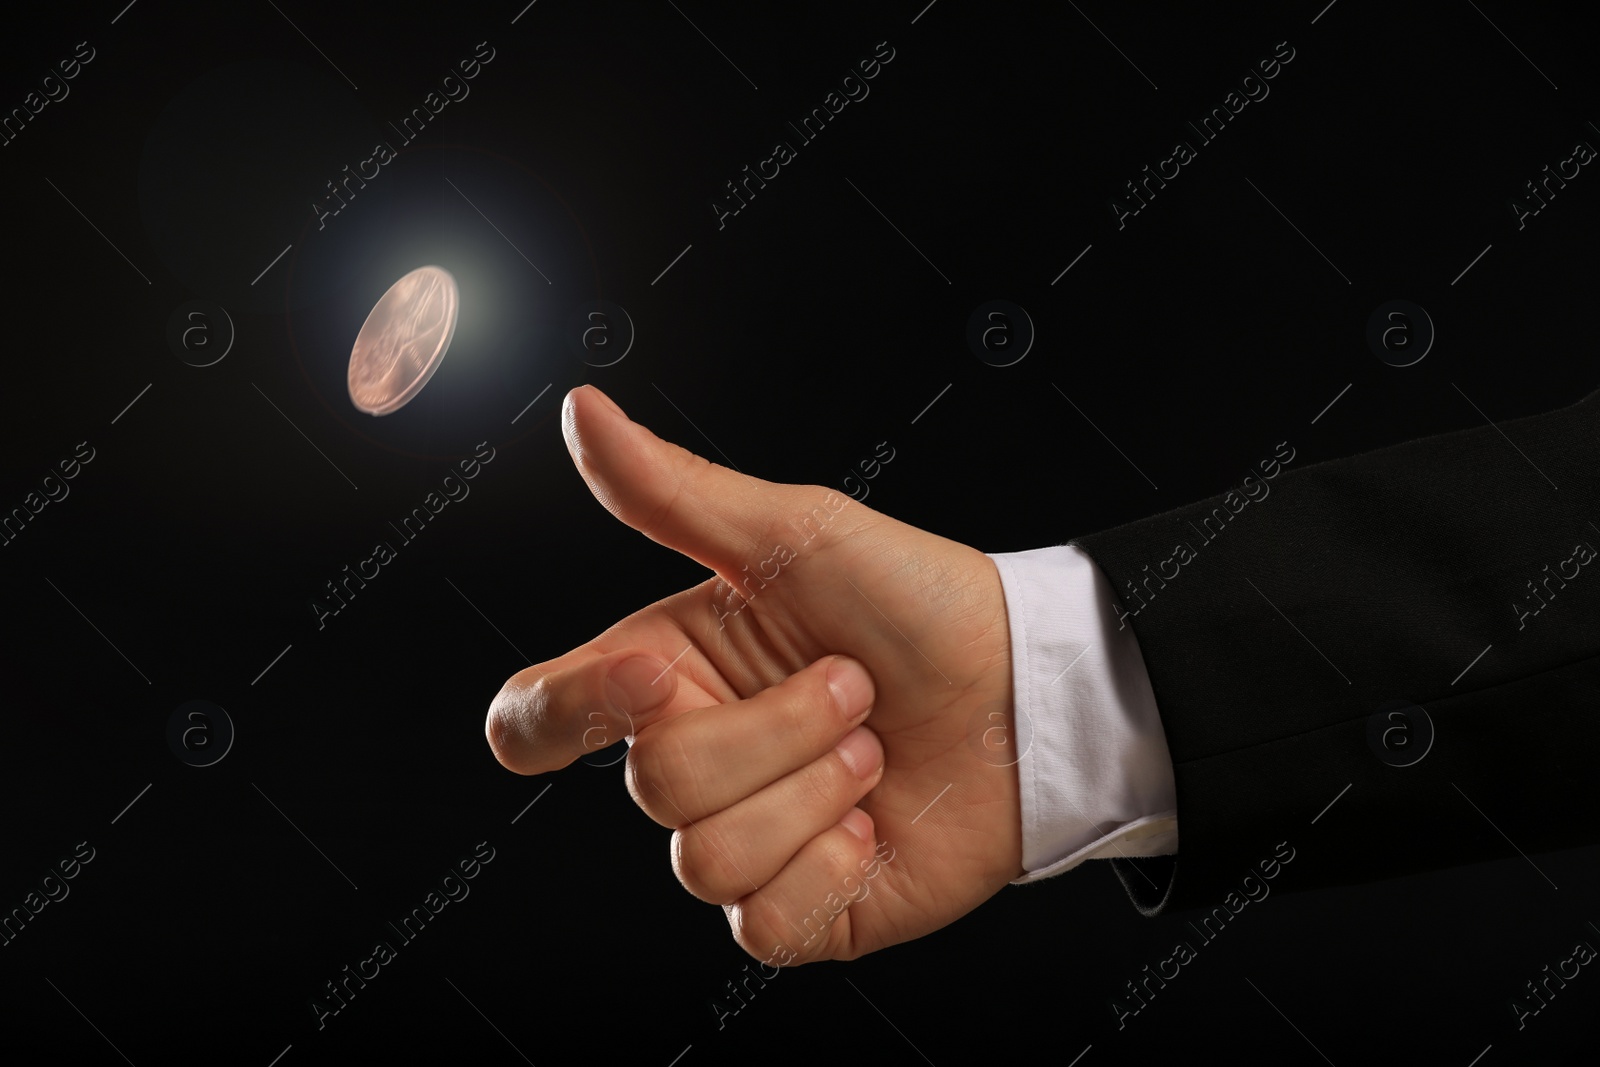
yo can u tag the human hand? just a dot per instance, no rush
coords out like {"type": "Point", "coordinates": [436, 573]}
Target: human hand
{"type": "Point", "coordinates": [724, 690]}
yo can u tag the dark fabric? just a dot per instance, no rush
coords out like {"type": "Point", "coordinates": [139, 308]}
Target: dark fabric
{"type": "Point", "coordinates": [1399, 566]}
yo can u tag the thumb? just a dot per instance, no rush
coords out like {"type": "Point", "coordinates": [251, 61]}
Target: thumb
{"type": "Point", "coordinates": [712, 514]}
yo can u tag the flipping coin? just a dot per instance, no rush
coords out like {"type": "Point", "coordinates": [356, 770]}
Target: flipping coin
{"type": "Point", "coordinates": [403, 340]}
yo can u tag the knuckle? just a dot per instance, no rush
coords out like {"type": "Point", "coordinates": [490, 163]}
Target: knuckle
{"type": "Point", "coordinates": [644, 763]}
{"type": "Point", "coordinates": [686, 770]}
{"type": "Point", "coordinates": [757, 923]}
{"type": "Point", "coordinates": [703, 867]}
{"type": "Point", "coordinates": [849, 949]}
{"type": "Point", "coordinates": [691, 470]}
{"type": "Point", "coordinates": [838, 851]}
{"type": "Point", "coordinates": [658, 514]}
{"type": "Point", "coordinates": [661, 777]}
{"type": "Point", "coordinates": [812, 719]}
{"type": "Point", "coordinates": [641, 777]}
{"type": "Point", "coordinates": [743, 935]}
{"type": "Point", "coordinates": [824, 785]}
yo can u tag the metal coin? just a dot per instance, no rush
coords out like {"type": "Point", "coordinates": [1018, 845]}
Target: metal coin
{"type": "Point", "coordinates": [403, 340]}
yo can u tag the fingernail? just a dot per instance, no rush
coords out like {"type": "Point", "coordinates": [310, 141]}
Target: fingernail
{"type": "Point", "coordinates": [638, 686]}
{"type": "Point", "coordinates": [859, 823]}
{"type": "Point", "coordinates": [861, 752]}
{"type": "Point", "coordinates": [851, 686]}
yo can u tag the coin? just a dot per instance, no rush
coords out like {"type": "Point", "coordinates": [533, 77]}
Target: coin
{"type": "Point", "coordinates": [403, 340]}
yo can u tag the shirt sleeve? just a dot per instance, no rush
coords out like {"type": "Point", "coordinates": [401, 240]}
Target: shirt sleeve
{"type": "Point", "coordinates": [1096, 778]}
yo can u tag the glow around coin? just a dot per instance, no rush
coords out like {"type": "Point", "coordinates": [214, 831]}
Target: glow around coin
{"type": "Point", "coordinates": [403, 340]}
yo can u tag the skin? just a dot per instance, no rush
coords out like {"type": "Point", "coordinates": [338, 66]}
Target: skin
{"type": "Point", "coordinates": [735, 742]}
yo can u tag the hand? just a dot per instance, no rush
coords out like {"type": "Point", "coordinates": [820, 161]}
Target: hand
{"type": "Point", "coordinates": [724, 692]}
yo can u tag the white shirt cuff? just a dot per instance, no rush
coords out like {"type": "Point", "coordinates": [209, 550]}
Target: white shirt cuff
{"type": "Point", "coordinates": [1096, 777]}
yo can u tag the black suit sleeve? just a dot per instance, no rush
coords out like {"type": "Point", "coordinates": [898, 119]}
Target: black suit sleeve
{"type": "Point", "coordinates": [1456, 573]}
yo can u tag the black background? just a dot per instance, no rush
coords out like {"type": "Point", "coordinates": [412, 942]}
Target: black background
{"type": "Point", "coordinates": [796, 338]}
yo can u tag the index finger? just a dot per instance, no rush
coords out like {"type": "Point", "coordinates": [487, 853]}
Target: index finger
{"type": "Point", "coordinates": [547, 715]}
